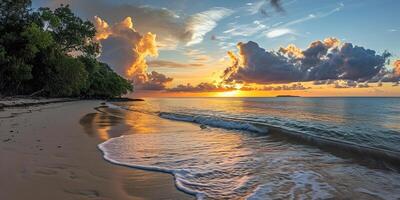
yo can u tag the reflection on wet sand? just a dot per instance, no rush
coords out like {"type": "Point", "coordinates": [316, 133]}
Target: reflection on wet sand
{"type": "Point", "coordinates": [104, 125]}
{"type": "Point", "coordinates": [110, 123]}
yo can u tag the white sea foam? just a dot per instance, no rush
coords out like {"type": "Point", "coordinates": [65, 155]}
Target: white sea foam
{"type": "Point", "coordinates": [178, 174]}
{"type": "Point", "coordinates": [216, 163]}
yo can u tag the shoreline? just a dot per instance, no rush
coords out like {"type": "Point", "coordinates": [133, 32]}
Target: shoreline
{"type": "Point", "coordinates": [48, 155]}
{"type": "Point", "coordinates": [12, 102]}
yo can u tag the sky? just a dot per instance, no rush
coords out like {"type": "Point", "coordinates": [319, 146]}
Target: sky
{"type": "Point", "coordinates": [224, 48]}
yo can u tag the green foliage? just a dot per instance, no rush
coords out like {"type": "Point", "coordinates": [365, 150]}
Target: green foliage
{"type": "Point", "coordinates": [70, 32]}
{"type": "Point", "coordinates": [36, 51]}
{"type": "Point", "coordinates": [103, 81]}
{"type": "Point", "coordinates": [14, 13]}
{"type": "Point", "coordinates": [69, 77]}
{"type": "Point", "coordinates": [36, 40]}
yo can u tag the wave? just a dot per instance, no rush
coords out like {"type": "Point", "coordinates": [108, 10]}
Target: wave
{"type": "Point", "coordinates": [258, 126]}
{"type": "Point", "coordinates": [177, 174]}
{"type": "Point", "coordinates": [183, 174]}
{"type": "Point", "coordinates": [218, 122]}
{"type": "Point", "coordinates": [390, 156]}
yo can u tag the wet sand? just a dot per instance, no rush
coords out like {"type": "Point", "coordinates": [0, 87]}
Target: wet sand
{"type": "Point", "coordinates": [50, 152]}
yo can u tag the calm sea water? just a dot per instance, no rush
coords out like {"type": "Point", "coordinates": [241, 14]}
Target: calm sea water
{"type": "Point", "coordinates": [228, 157]}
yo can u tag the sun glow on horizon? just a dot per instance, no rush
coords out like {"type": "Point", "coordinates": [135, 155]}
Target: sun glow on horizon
{"type": "Point", "coordinates": [233, 93]}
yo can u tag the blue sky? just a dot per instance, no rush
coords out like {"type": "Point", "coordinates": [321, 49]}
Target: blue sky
{"type": "Point", "coordinates": [373, 24]}
{"type": "Point", "coordinates": [370, 23]}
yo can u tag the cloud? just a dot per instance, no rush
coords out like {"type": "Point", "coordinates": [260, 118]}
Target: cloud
{"type": "Point", "coordinates": [324, 82]}
{"type": "Point", "coordinates": [259, 7]}
{"type": "Point", "coordinates": [254, 8]}
{"type": "Point", "coordinates": [296, 86]}
{"type": "Point", "coordinates": [172, 64]}
{"type": "Point", "coordinates": [126, 51]}
{"type": "Point", "coordinates": [124, 48]}
{"type": "Point", "coordinates": [292, 51]}
{"type": "Point", "coordinates": [277, 5]}
{"type": "Point", "coordinates": [284, 28]}
{"type": "Point", "coordinates": [396, 69]}
{"type": "Point", "coordinates": [196, 55]}
{"type": "Point", "coordinates": [155, 81]}
{"type": "Point", "coordinates": [202, 87]}
{"type": "Point", "coordinates": [200, 24]}
{"type": "Point", "coordinates": [255, 65]}
{"type": "Point", "coordinates": [345, 84]}
{"type": "Point", "coordinates": [170, 27]}
{"type": "Point", "coordinates": [279, 32]}
{"type": "Point", "coordinates": [247, 29]}
{"type": "Point", "coordinates": [322, 60]}
{"type": "Point", "coordinates": [301, 20]}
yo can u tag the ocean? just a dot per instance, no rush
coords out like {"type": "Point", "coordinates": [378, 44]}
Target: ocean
{"type": "Point", "coordinates": [266, 148]}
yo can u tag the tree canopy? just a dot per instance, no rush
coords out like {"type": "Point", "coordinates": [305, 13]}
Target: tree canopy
{"type": "Point", "coordinates": [52, 53]}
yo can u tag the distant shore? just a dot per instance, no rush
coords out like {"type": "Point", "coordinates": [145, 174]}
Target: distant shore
{"type": "Point", "coordinates": [47, 154]}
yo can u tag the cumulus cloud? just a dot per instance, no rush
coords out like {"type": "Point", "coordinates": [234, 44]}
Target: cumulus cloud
{"type": "Point", "coordinates": [396, 69]}
{"type": "Point", "coordinates": [172, 64]}
{"type": "Point", "coordinates": [292, 51]}
{"type": "Point", "coordinates": [322, 60]}
{"type": "Point", "coordinates": [255, 65]}
{"type": "Point", "coordinates": [124, 48]}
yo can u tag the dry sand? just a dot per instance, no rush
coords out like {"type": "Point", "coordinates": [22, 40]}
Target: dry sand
{"type": "Point", "coordinates": [46, 153]}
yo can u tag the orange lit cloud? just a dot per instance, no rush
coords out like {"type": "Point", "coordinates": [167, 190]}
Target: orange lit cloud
{"type": "Point", "coordinates": [132, 44]}
{"type": "Point", "coordinates": [292, 51]}
{"type": "Point", "coordinates": [396, 69]}
{"type": "Point", "coordinates": [145, 47]}
{"type": "Point", "coordinates": [332, 42]}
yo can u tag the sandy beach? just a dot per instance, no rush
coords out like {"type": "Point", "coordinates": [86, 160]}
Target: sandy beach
{"type": "Point", "coordinates": [48, 152]}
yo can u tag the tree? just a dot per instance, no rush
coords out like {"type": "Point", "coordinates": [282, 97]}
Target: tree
{"type": "Point", "coordinates": [52, 53]}
{"type": "Point", "coordinates": [72, 33]}
{"type": "Point", "coordinates": [69, 77]}
{"type": "Point", "coordinates": [103, 81]}
{"type": "Point", "coordinates": [14, 13]}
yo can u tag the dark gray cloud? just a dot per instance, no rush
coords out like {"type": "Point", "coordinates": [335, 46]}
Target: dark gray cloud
{"type": "Point", "coordinates": [202, 87]}
{"type": "Point", "coordinates": [322, 60]}
{"type": "Point", "coordinates": [117, 52]}
{"type": "Point", "coordinates": [260, 66]}
{"type": "Point", "coordinates": [155, 81]}
{"type": "Point", "coordinates": [277, 5]}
